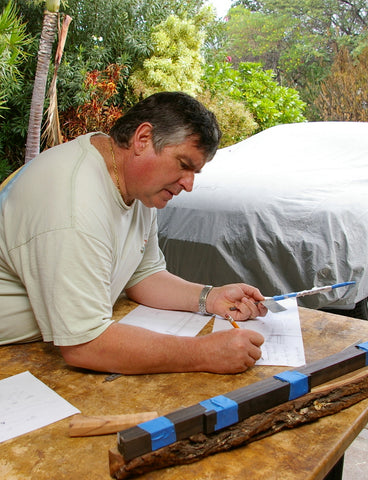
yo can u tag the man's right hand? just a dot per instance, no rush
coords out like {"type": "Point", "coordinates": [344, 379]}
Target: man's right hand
{"type": "Point", "coordinates": [230, 351]}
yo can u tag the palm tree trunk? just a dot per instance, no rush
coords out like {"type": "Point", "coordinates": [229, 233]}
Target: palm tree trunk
{"type": "Point", "coordinates": [51, 134]}
{"type": "Point", "coordinates": [49, 29]}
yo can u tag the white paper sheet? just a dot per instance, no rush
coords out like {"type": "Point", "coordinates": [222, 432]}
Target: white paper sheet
{"type": "Point", "coordinates": [166, 321]}
{"type": "Point", "coordinates": [283, 337]}
{"type": "Point", "coordinates": [283, 343]}
{"type": "Point", "coordinates": [27, 404]}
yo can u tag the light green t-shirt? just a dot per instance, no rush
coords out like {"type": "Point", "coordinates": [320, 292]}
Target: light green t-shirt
{"type": "Point", "coordinates": [68, 247]}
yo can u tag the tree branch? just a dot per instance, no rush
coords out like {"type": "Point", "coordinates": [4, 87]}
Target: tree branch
{"type": "Point", "coordinates": [321, 402]}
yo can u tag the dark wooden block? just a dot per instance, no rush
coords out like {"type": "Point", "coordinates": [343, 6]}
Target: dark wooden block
{"type": "Point", "coordinates": [188, 421]}
{"type": "Point", "coordinates": [134, 442]}
{"type": "Point", "coordinates": [260, 396]}
{"type": "Point", "coordinates": [209, 421]}
{"type": "Point", "coordinates": [334, 366]}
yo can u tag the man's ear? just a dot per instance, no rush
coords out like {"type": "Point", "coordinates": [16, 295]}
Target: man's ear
{"type": "Point", "coordinates": [142, 138]}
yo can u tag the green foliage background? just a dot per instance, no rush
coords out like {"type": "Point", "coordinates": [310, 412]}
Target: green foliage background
{"type": "Point", "coordinates": [267, 63]}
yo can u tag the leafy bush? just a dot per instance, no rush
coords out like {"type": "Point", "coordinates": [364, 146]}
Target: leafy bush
{"type": "Point", "coordinates": [13, 41]}
{"type": "Point", "coordinates": [344, 93]}
{"type": "Point", "coordinates": [176, 62]}
{"type": "Point", "coordinates": [269, 103]}
{"type": "Point", "coordinates": [235, 121]}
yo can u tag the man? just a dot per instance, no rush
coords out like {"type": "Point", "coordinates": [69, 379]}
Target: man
{"type": "Point", "coordinates": [78, 226]}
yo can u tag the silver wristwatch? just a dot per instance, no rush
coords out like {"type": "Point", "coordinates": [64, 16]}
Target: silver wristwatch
{"type": "Point", "coordinates": [202, 299]}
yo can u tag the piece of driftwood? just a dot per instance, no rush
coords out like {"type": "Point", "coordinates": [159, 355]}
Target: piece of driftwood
{"type": "Point", "coordinates": [221, 411]}
{"type": "Point", "coordinates": [323, 401]}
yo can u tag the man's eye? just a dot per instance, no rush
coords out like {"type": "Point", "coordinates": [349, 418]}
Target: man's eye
{"type": "Point", "coordinates": [184, 166]}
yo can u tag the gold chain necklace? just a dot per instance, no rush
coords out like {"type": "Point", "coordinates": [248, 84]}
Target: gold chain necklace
{"type": "Point", "coordinates": [114, 165]}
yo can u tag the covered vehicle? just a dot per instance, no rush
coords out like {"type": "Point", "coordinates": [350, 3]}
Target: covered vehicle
{"type": "Point", "coordinates": [284, 210]}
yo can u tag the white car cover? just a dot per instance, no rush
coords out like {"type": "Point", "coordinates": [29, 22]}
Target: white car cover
{"type": "Point", "coordinates": [284, 210]}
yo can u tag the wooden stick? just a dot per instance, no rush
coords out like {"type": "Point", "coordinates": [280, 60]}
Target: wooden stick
{"type": "Point", "coordinates": [327, 400]}
{"type": "Point", "coordinates": [232, 407]}
{"type": "Point", "coordinates": [84, 426]}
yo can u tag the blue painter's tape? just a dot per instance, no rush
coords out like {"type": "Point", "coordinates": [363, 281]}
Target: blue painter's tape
{"type": "Point", "coordinates": [225, 408]}
{"type": "Point", "coordinates": [364, 346]}
{"type": "Point", "coordinates": [298, 383]}
{"type": "Point", "coordinates": [162, 431]}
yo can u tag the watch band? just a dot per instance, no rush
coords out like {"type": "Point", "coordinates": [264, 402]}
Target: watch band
{"type": "Point", "coordinates": [202, 299]}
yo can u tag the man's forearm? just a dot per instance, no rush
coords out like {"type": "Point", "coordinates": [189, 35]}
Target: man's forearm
{"type": "Point", "coordinates": [133, 350]}
{"type": "Point", "coordinates": [166, 291]}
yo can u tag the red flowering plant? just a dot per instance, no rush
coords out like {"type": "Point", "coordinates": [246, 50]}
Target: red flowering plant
{"type": "Point", "coordinates": [98, 113]}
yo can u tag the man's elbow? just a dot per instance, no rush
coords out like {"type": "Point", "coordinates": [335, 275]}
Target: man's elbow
{"type": "Point", "coordinates": [87, 356]}
{"type": "Point", "coordinates": [75, 357]}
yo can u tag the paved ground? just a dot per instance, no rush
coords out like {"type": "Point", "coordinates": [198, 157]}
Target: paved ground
{"type": "Point", "coordinates": [356, 458]}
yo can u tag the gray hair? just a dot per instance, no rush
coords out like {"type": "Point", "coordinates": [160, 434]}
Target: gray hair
{"type": "Point", "coordinates": [174, 116]}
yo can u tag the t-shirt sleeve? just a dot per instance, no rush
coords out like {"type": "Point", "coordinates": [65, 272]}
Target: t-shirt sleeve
{"type": "Point", "coordinates": [67, 274]}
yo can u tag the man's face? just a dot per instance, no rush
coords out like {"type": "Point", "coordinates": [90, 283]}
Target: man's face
{"type": "Point", "coordinates": [165, 174]}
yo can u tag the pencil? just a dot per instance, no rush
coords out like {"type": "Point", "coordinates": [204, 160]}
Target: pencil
{"type": "Point", "coordinates": [231, 320]}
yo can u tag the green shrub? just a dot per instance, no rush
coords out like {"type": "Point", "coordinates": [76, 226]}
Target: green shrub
{"type": "Point", "coordinates": [269, 103]}
{"type": "Point", "coordinates": [235, 121]}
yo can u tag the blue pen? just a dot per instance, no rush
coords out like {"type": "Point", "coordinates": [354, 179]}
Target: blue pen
{"type": "Point", "coordinates": [312, 291]}
{"type": "Point", "coordinates": [271, 302]}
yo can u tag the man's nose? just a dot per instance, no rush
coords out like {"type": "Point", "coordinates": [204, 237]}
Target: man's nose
{"type": "Point", "coordinates": [187, 181]}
